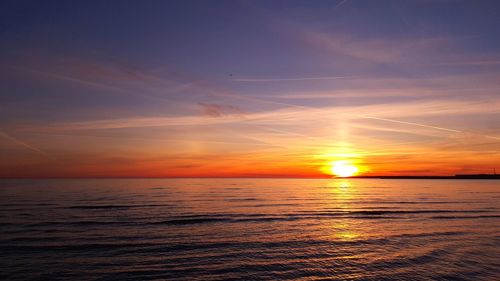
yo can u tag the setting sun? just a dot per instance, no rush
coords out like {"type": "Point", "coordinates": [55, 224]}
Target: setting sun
{"type": "Point", "coordinates": [343, 169]}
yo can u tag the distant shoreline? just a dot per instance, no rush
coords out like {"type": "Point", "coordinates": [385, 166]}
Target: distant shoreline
{"type": "Point", "coordinates": [455, 177]}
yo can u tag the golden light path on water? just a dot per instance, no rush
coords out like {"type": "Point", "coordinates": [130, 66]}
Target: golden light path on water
{"type": "Point", "coordinates": [343, 192]}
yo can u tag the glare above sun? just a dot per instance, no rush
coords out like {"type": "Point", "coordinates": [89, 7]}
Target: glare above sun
{"type": "Point", "coordinates": [343, 169]}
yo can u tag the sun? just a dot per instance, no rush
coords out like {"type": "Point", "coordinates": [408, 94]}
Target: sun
{"type": "Point", "coordinates": [343, 169]}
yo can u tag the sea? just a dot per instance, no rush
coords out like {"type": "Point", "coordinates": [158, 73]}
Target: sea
{"type": "Point", "coordinates": [249, 229]}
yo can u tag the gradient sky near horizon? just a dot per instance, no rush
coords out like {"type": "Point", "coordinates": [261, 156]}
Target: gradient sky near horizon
{"type": "Point", "coordinates": [248, 88]}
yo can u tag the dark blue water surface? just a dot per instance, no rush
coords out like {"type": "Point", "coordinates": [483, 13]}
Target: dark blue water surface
{"type": "Point", "coordinates": [249, 229]}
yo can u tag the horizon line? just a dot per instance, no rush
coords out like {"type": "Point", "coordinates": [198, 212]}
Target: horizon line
{"type": "Point", "coordinates": [456, 176]}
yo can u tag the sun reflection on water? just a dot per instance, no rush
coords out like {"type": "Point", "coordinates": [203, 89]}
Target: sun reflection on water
{"type": "Point", "coordinates": [347, 235]}
{"type": "Point", "coordinates": [342, 193]}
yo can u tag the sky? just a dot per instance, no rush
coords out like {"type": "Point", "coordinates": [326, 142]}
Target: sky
{"type": "Point", "coordinates": [248, 88]}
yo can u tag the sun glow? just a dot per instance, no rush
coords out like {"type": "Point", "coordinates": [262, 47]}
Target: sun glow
{"type": "Point", "coordinates": [343, 169]}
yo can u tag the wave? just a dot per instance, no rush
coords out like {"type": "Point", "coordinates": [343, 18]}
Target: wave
{"type": "Point", "coordinates": [271, 205]}
{"type": "Point", "coordinates": [245, 218]}
{"type": "Point", "coordinates": [191, 221]}
{"type": "Point", "coordinates": [242, 199]}
{"type": "Point", "coordinates": [25, 204]}
{"type": "Point", "coordinates": [385, 212]}
{"type": "Point", "coordinates": [74, 223]}
{"type": "Point", "coordinates": [116, 206]}
{"type": "Point", "coordinates": [466, 217]}
{"type": "Point", "coordinates": [198, 246]}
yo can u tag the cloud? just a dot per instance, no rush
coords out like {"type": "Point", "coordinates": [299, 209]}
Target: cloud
{"type": "Point", "coordinates": [350, 49]}
{"type": "Point", "coordinates": [217, 110]}
{"type": "Point", "coordinates": [373, 50]}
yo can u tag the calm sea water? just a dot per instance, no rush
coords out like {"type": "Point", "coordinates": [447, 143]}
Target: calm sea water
{"type": "Point", "coordinates": [249, 229]}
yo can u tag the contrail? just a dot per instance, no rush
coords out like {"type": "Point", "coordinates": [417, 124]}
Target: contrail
{"type": "Point", "coordinates": [235, 96]}
{"type": "Point", "coordinates": [339, 4]}
{"type": "Point", "coordinates": [70, 79]}
{"type": "Point", "coordinates": [18, 142]}
{"type": "Point", "coordinates": [409, 123]}
{"type": "Point", "coordinates": [493, 137]}
{"type": "Point", "coordinates": [283, 132]}
{"type": "Point", "coordinates": [155, 139]}
{"type": "Point", "coordinates": [263, 141]}
{"type": "Point", "coordinates": [484, 62]}
{"type": "Point", "coordinates": [427, 126]}
{"type": "Point", "coordinates": [288, 79]}
{"type": "Point", "coordinates": [91, 83]}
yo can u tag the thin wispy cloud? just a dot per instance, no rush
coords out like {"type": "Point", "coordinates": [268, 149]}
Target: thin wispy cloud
{"type": "Point", "coordinates": [469, 63]}
{"type": "Point", "coordinates": [412, 124]}
{"type": "Point", "coordinates": [107, 75]}
{"type": "Point", "coordinates": [21, 143]}
{"type": "Point", "coordinates": [340, 3]}
{"type": "Point", "coordinates": [373, 50]}
{"type": "Point", "coordinates": [70, 79]}
{"type": "Point", "coordinates": [217, 110]}
{"type": "Point", "coordinates": [248, 79]}
{"type": "Point", "coordinates": [383, 112]}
